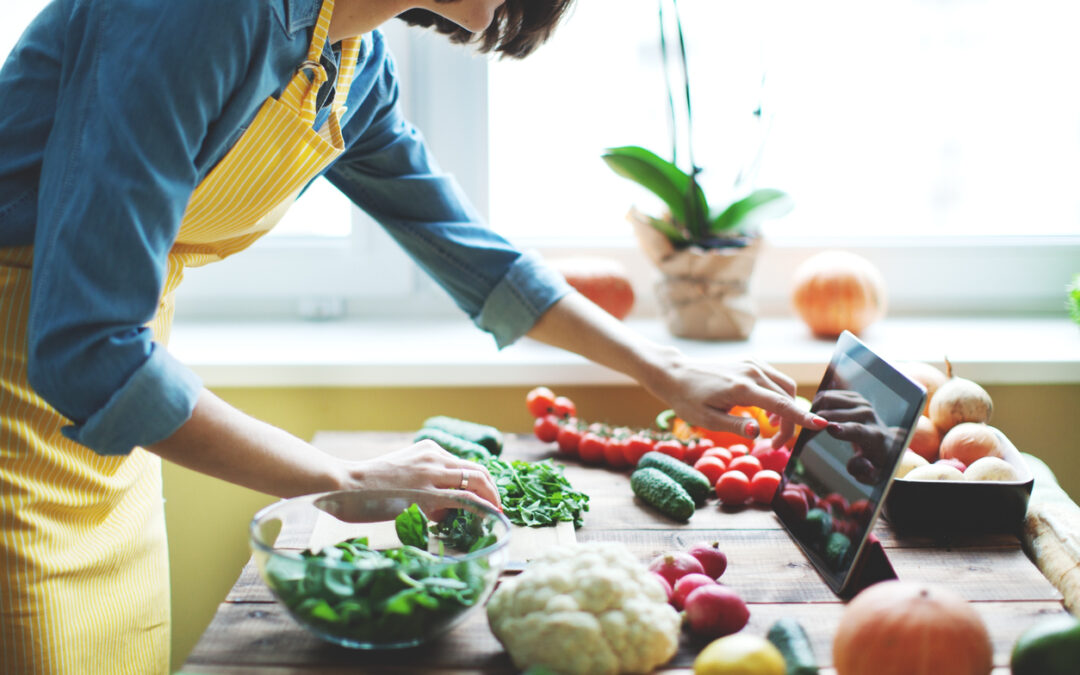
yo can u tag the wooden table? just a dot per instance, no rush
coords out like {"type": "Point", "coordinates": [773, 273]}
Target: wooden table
{"type": "Point", "coordinates": [252, 633]}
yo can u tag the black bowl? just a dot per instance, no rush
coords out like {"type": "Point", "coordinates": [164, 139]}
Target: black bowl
{"type": "Point", "coordinates": [957, 507]}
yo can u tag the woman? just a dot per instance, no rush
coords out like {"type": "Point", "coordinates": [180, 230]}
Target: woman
{"type": "Point", "coordinates": [142, 137]}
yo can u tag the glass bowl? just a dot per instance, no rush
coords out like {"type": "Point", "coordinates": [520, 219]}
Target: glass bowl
{"type": "Point", "coordinates": [353, 567]}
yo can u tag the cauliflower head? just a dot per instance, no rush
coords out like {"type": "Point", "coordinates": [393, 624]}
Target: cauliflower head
{"type": "Point", "coordinates": [586, 608]}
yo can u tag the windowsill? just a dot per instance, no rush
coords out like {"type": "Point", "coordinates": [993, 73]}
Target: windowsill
{"type": "Point", "coordinates": [445, 352]}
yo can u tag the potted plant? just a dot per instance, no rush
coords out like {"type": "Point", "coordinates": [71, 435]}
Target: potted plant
{"type": "Point", "coordinates": [705, 249]}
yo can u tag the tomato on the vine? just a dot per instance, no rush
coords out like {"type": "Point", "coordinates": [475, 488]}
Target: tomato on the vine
{"type": "Point", "coordinates": [569, 438]}
{"type": "Point", "coordinates": [671, 447]}
{"type": "Point", "coordinates": [563, 407]}
{"type": "Point", "coordinates": [615, 452]}
{"type": "Point", "coordinates": [546, 428]}
{"type": "Point", "coordinates": [540, 401]}
{"type": "Point", "coordinates": [636, 447]}
{"type": "Point", "coordinates": [592, 447]}
{"type": "Point", "coordinates": [693, 453]}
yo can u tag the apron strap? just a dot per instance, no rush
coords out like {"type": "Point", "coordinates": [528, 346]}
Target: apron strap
{"type": "Point", "coordinates": [302, 92]}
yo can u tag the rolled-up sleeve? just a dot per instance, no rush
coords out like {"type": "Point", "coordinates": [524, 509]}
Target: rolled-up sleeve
{"type": "Point", "coordinates": [117, 171]}
{"type": "Point", "coordinates": [388, 172]}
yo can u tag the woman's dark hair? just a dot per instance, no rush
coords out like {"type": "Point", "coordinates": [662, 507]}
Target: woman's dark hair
{"type": "Point", "coordinates": [519, 26]}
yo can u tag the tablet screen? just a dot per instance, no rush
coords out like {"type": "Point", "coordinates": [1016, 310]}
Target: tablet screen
{"type": "Point", "coordinates": [844, 470]}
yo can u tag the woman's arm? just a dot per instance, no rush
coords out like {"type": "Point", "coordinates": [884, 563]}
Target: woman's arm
{"type": "Point", "coordinates": [701, 396]}
{"type": "Point", "coordinates": [220, 441]}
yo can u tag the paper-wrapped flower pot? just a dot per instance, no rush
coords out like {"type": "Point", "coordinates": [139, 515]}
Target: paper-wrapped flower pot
{"type": "Point", "coordinates": [703, 293]}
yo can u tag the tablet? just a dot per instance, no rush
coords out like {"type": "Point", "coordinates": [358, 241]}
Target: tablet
{"type": "Point", "coordinates": [836, 479]}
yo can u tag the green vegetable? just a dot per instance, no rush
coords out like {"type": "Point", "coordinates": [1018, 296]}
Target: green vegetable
{"type": "Point", "coordinates": [818, 524]}
{"type": "Point", "coordinates": [790, 638]}
{"type": "Point", "coordinates": [662, 492]}
{"type": "Point", "coordinates": [412, 526]}
{"type": "Point", "coordinates": [665, 419]}
{"type": "Point", "coordinates": [837, 547]}
{"type": "Point", "coordinates": [536, 494]}
{"type": "Point", "coordinates": [693, 481]}
{"type": "Point", "coordinates": [454, 444]}
{"type": "Point", "coordinates": [481, 434]}
{"type": "Point", "coordinates": [533, 494]}
{"type": "Point", "coordinates": [393, 596]}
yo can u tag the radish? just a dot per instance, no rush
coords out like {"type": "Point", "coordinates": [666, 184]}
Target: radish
{"type": "Point", "coordinates": [675, 564]}
{"type": "Point", "coordinates": [715, 611]}
{"type": "Point", "coordinates": [664, 584]}
{"type": "Point", "coordinates": [711, 558]}
{"type": "Point", "coordinates": [686, 585]}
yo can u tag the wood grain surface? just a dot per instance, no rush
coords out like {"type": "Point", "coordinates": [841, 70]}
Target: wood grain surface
{"type": "Point", "coordinates": [252, 633]}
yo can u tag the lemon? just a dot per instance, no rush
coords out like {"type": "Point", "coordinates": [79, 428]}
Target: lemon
{"type": "Point", "coordinates": [1050, 647]}
{"type": "Point", "coordinates": [740, 654]}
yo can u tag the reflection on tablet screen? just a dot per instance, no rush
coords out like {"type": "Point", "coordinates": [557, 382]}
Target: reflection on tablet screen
{"type": "Point", "coordinates": [843, 470]}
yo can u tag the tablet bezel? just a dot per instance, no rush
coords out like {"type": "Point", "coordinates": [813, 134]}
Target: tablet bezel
{"type": "Point", "coordinates": [914, 395]}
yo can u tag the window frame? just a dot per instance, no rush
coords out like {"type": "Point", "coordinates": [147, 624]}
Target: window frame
{"type": "Point", "coordinates": [445, 93]}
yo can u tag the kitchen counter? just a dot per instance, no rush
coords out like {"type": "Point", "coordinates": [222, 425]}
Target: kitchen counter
{"type": "Point", "coordinates": [251, 633]}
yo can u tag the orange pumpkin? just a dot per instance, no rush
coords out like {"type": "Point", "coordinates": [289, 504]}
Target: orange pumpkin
{"type": "Point", "coordinates": [834, 291]}
{"type": "Point", "coordinates": [911, 628]}
{"type": "Point", "coordinates": [602, 280]}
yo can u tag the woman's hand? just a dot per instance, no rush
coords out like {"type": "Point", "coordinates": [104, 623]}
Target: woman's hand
{"type": "Point", "coordinates": [425, 466]}
{"type": "Point", "coordinates": [703, 397]}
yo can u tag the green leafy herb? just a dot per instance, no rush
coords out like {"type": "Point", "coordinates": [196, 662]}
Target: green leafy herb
{"type": "Point", "coordinates": [536, 494]}
{"type": "Point", "coordinates": [397, 595]}
{"type": "Point", "coordinates": [411, 526]}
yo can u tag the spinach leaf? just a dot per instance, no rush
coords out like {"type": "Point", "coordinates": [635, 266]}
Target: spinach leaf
{"type": "Point", "coordinates": [397, 595]}
{"type": "Point", "coordinates": [411, 526]}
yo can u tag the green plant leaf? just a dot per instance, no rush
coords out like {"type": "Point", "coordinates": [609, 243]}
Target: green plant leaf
{"type": "Point", "coordinates": [751, 207]}
{"type": "Point", "coordinates": [659, 176]}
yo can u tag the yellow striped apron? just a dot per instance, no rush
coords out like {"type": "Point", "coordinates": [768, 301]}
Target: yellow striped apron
{"type": "Point", "coordinates": [84, 579]}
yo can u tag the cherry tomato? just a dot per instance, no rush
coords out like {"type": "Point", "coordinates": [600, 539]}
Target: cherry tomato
{"type": "Point", "coordinates": [540, 401]}
{"type": "Point", "coordinates": [693, 452]}
{"type": "Point", "coordinates": [636, 448]}
{"type": "Point", "coordinates": [564, 407]}
{"type": "Point", "coordinates": [738, 449]}
{"type": "Point", "coordinates": [569, 438]}
{"type": "Point", "coordinates": [794, 502]}
{"type": "Point", "coordinates": [546, 428]}
{"type": "Point", "coordinates": [591, 448]}
{"type": "Point", "coordinates": [712, 467]}
{"type": "Point", "coordinates": [733, 488]}
{"type": "Point", "coordinates": [763, 486]}
{"type": "Point", "coordinates": [721, 453]}
{"type": "Point", "coordinates": [615, 452]}
{"type": "Point", "coordinates": [748, 464]}
{"type": "Point", "coordinates": [671, 447]}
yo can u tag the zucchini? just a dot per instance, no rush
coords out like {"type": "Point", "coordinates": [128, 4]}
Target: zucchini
{"type": "Point", "coordinates": [660, 491]}
{"type": "Point", "coordinates": [790, 639]}
{"type": "Point", "coordinates": [693, 481]}
{"type": "Point", "coordinates": [481, 434]}
{"type": "Point", "coordinates": [454, 444]}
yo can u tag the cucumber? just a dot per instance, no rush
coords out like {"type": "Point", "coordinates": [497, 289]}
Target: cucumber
{"type": "Point", "coordinates": [693, 481]}
{"type": "Point", "coordinates": [454, 444]}
{"type": "Point", "coordinates": [662, 492]}
{"type": "Point", "coordinates": [481, 434]}
{"type": "Point", "coordinates": [790, 638]}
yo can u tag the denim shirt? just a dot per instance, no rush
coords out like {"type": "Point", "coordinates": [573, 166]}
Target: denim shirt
{"type": "Point", "coordinates": [111, 113]}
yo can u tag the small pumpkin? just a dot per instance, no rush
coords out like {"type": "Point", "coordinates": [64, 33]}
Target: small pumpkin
{"type": "Point", "coordinates": [834, 291]}
{"type": "Point", "coordinates": [911, 628]}
{"type": "Point", "coordinates": [602, 280]}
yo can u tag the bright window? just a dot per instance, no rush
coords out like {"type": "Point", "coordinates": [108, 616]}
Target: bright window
{"type": "Point", "coordinates": [939, 139]}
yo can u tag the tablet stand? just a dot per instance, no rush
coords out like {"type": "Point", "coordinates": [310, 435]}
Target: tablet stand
{"type": "Point", "coordinates": [871, 567]}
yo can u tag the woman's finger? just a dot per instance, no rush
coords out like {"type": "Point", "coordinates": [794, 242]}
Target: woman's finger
{"type": "Point", "coordinates": [785, 384]}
